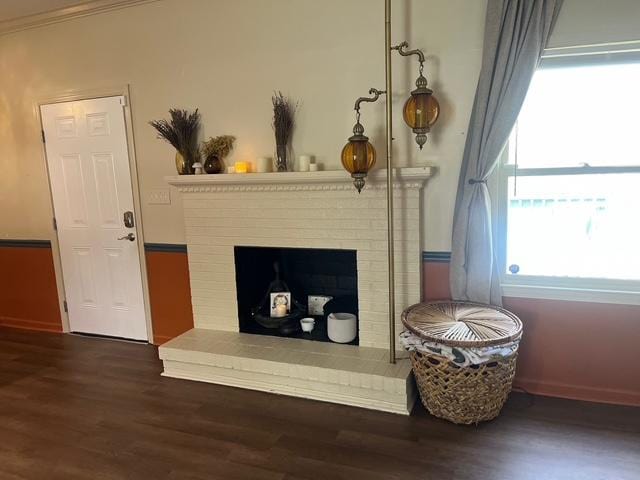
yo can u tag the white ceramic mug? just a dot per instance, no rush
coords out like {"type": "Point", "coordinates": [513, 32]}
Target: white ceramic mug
{"type": "Point", "coordinates": [307, 324]}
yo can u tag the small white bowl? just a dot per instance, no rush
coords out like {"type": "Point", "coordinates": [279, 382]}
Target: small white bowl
{"type": "Point", "coordinates": [307, 324]}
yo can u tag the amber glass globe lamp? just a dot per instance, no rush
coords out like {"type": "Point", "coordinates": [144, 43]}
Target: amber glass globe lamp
{"type": "Point", "coordinates": [421, 110]}
{"type": "Point", "coordinates": [358, 156]}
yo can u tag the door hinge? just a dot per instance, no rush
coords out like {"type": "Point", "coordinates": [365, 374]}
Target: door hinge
{"type": "Point", "coordinates": [65, 306]}
{"type": "Point", "coordinates": [55, 224]}
{"type": "Point", "coordinates": [123, 101]}
{"type": "Point", "coordinates": [44, 139]}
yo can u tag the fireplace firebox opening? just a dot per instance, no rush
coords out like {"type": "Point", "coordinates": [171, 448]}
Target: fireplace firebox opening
{"type": "Point", "coordinates": [278, 287]}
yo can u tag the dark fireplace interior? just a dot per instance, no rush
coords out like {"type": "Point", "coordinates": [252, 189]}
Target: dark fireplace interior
{"type": "Point", "coordinates": [303, 272]}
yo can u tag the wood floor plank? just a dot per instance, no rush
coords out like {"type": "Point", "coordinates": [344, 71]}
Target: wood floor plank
{"type": "Point", "coordinates": [81, 408]}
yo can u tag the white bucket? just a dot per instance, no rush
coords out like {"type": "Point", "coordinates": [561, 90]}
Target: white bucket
{"type": "Point", "coordinates": [342, 327]}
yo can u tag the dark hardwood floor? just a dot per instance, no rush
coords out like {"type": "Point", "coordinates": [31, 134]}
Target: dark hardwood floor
{"type": "Point", "coordinates": [86, 408]}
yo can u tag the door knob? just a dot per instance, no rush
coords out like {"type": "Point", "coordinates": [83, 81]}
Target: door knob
{"type": "Point", "coordinates": [131, 237]}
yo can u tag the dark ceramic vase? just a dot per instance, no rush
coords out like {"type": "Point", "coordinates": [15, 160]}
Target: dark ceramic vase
{"type": "Point", "coordinates": [213, 164]}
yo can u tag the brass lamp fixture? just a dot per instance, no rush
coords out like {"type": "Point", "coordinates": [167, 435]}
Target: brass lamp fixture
{"type": "Point", "coordinates": [421, 110]}
{"type": "Point", "coordinates": [359, 156]}
{"type": "Point", "coordinates": [420, 113]}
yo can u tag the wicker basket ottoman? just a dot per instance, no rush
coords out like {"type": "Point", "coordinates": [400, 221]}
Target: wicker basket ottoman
{"type": "Point", "coordinates": [463, 356]}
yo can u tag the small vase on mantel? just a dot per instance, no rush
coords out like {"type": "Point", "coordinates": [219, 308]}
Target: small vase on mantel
{"type": "Point", "coordinates": [213, 164]}
{"type": "Point", "coordinates": [282, 158]}
{"type": "Point", "coordinates": [182, 166]}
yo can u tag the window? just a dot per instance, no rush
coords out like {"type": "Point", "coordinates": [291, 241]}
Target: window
{"type": "Point", "coordinates": [570, 180]}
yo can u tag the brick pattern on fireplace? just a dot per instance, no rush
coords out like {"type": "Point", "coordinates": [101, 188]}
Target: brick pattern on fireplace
{"type": "Point", "coordinates": [330, 216]}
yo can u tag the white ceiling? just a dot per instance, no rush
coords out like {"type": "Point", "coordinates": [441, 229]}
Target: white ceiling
{"type": "Point", "coordinates": [11, 9]}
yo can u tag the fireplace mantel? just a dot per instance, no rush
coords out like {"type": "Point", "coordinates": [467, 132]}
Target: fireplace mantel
{"type": "Point", "coordinates": [409, 177]}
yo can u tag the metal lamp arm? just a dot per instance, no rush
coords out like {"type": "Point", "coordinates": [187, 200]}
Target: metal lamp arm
{"type": "Point", "coordinates": [407, 53]}
{"type": "Point", "coordinates": [358, 129]}
{"type": "Point", "coordinates": [372, 91]}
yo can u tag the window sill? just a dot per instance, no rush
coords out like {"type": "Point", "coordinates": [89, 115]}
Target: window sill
{"type": "Point", "coordinates": [573, 294]}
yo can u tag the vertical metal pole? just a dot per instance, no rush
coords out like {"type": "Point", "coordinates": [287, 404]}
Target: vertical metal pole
{"type": "Point", "coordinates": [389, 135]}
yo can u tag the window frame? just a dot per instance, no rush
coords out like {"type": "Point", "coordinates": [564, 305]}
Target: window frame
{"type": "Point", "coordinates": [598, 290]}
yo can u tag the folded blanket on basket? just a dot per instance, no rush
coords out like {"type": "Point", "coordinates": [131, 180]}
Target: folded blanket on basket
{"type": "Point", "coordinates": [463, 357]}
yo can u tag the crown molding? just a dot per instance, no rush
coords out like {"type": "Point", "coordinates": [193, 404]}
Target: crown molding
{"type": "Point", "coordinates": [93, 7]}
{"type": "Point", "coordinates": [406, 178]}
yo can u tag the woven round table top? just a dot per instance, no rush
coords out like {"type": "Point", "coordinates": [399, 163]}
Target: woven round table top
{"type": "Point", "coordinates": [462, 324]}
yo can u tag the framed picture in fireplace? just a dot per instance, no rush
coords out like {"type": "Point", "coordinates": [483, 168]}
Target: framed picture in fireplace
{"type": "Point", "coordinates": [278, 301]}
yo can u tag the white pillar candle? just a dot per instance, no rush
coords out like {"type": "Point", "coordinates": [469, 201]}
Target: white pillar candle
{"type": "Point", "coordinates": [313, 167]}
{"type": "Point", "coordinates": [263, 165]}
{"type": "Point", "coordinates": [281, 311]}
{"type": "Point", "coordinates": [231, 169]}
{"type": "Point", "coordinates": [303, 163]}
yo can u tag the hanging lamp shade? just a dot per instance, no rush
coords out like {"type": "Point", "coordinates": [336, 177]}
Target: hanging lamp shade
{"type": "Point", "coordinates": [421, 111]}
{"type": "Point", "coordinates": [358, 156]}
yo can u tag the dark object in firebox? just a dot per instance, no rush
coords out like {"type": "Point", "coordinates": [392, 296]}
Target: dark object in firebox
{"type": "Point", "coordinates": [290, 327]}
{"type": "Point", "coordinates": [288, 324]}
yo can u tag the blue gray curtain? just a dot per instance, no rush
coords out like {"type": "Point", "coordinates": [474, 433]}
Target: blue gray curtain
{"type": "Point", "coordinates": [516, 33]}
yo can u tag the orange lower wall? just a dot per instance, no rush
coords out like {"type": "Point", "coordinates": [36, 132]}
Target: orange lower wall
{"type": "Point", "coordinates": [28, 295]}
{"type": "Point", "coordinates": [579, 350]}
{"type": "Point", "coordinates": [29, 299]}
{"type": "Point", "coordinates": [169, 294]}
{"type": "Point", "coordinates": [586, 351]}
{"type": "Point", "coordinates": [435, 280]}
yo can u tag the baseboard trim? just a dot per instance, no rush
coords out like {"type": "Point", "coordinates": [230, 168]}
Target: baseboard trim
{"type": "Point", "coordinates": [27, 324]}
{"type": "Point", "coordinates": [579, 392]}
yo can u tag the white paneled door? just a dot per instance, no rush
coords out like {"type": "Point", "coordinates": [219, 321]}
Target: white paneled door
{"type": "Point", "coordinates": [87, 155]}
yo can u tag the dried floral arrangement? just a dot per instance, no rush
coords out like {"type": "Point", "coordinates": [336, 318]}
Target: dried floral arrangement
{"type": "Point", "coordinates": [218, 146]}
{"type": "Point", "coordinates": [181, 131]}
{"type": "Point", "coordinates": [283, 123]}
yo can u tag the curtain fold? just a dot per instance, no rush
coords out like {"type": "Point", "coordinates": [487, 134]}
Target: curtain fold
{"type": "Point", "coordinates": [516, 33]}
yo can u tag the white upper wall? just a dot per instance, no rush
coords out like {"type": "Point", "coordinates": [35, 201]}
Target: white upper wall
{"type": "Point", "coordinates": [226, 57]}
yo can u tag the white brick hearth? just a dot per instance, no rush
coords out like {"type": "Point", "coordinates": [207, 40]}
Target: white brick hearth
{"type": "Point", "coordinates": [297, 210]}
{"type": "Point", "coordinates": [357, 376]}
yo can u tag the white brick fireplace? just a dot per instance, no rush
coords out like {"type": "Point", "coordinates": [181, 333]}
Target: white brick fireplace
{"type": "Point", "coordinates": [297, 210]}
